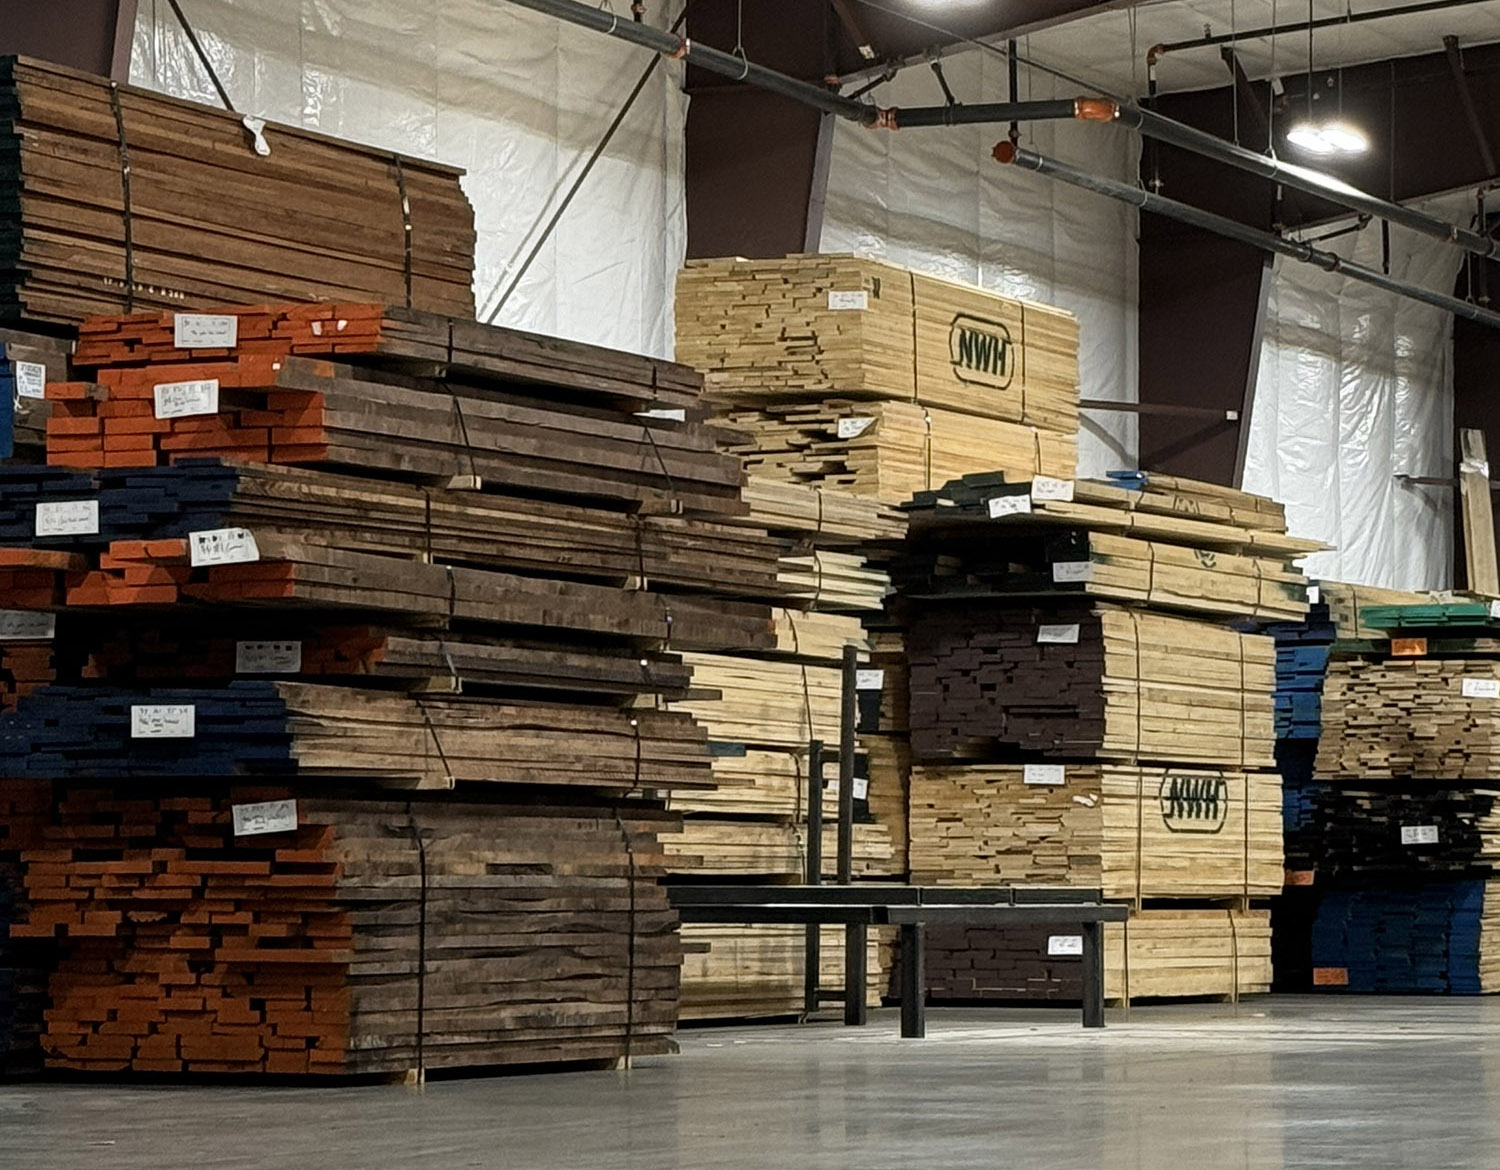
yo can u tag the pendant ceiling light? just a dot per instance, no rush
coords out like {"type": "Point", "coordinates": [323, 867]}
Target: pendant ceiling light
{"type": "Point", "coordinates": [1334, 137]}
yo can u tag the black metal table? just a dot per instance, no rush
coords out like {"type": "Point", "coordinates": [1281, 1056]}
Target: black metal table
{"type": "Point", "coordinates": [911, 908]}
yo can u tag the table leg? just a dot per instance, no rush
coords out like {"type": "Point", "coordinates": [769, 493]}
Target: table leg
{"type": "Point", "coordinates": [1093, 974]}
{"type": "Point", "coordinates": [913, 981]}
{"type": "Point", "coordinates": [854, 973]}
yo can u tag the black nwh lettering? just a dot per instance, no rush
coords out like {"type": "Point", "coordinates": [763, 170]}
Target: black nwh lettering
{"type": "Point", "coordinates": [1193, 798]}
{"type": "Point", "coordinates": [983, 352]}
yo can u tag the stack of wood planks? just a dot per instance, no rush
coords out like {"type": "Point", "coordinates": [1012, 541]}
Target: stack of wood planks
{"type": "Point", "coordinates": [1101, 682]}
{"type": "Point", "coordinates": [852, 375]}
{"type": "Point", "coordinates": [1134, 832]}
{"type": "Point", "coordinates": [355, 935]}
{"type": "Point", "coordinates": [24, 962]}
{"type": "Point", "coordinates": [121, 198]}
{"type": "Point", "coordinates": [737, 971]}
{"type": "Point", "coordinates": [28, 361]}
{"type": "Point", "coordinates": [1158, 954]}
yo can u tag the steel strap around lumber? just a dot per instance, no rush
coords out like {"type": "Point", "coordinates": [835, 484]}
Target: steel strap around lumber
{"type": "Point", "coordinates": [1006, 152]}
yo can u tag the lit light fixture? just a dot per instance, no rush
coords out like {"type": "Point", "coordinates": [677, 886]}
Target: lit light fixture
{"type": "Point", "coordinates": [1335, 136]}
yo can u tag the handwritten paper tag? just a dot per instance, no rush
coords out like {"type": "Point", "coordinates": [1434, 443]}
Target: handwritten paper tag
{"type": "Point", "coordinates": [26, 625]}
{"type": "Point", "coordinates": [67, 518]}
{"type": "Point", "coordinates": [31, 380]}
{"type": "Point", "coordinates": [267, 657]}
{"type": "Point", "coordinates": [869, 680]}
{"type": "Point", "coordinates": [1059, 635]}
{"type": "Point", "coordinates": [1072, 572]}
{"type": "Point", "coordinates": [1481, 688]}
{"type": "Point", "coordinates": [1045, 774]}
{"type": "Point", "coordinates": [846, 301]}
{"type": "Point", "coordinates": [270, 816]}
{"type": "Point", "coordinates": [181, 399]}
{"type": "Point", "coordinates": [852, 428]}
{"type": "Point", "coordinates": [162, 721]}
{"type": "Point", "coordinates": [1065, 946]}
{"type": "Point", "coordinates": [1000, 506]}
{"type": "Point", "coordinates": [1044, 487]}
{"type": "Point", "coordinates": [1419, 834]}
{"type": "Point", "coordinates": [1314, 595]}
{"type": "Point", "coordinates": [205, 331]}
{"type": "Point", "coordinates": [222, 546]}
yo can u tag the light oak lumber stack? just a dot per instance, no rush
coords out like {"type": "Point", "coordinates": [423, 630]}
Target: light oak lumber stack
{"type": "Point", "coordinates": [889, 765]}
{"type": "Point", "coordinates": [739, 972]}
{"type": "Point", "coordinates": [769, 330]}
{"type": "Point", "coordinates": [889, 450]}
{"type": "Point", "coordinates": [761, 703]}
{"type": "Point", "coordinates": [1158, 954]}
{"type": "Point", "coordinates": [204, 219]}
{"type": "Point", "coordinates": [1346, 604]}
{"type": "Point", "coordinates": [830, 518]}
{"type": "Point", "coordinates": [837, 581]}
{"type": "Point", "coordinates": [770, 850]}
{"type": "Point", "coordinates": [1134, 686]}
{"type": "Point", "coordinates": [1133, 832]}
{"type": "Point", "coordinates": [1410, 718]}
{"type": "Point", "coordinates": [375, 937]}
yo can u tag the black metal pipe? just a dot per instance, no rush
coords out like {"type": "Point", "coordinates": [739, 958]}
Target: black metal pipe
{"type": "Point", "coordinates": [1304, 26]}
{"type": "Point", "coordinates": [964, 115]}
{"type": "Point", "coordinates": [716, 61]}
{"type": "Point", "coordinates": [1302, 179]}
{"type": "Point", "coordinates": [1007, 152]}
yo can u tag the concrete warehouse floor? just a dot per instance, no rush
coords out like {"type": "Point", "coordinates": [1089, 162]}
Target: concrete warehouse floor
{"type": "Point", "coordinates": [1279, 1082]}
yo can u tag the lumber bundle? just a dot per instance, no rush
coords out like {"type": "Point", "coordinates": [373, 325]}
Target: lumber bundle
{"type": "Point", "coordinates": [361, 937]}
{"type": "Point", "coordinates": [1347, 604]}
{"type": "Point", "coordinates": [270, 728]}
{"type": "Point", "coordinates": [1096, 682]}
{"type": "Point", "coordinates": [1413, 718]}
{"type": "Point", "coordinates": [28, 361]}
{"type": "Point", "coordinates": [840, 582]}
{"type": "Point", "coordinates": [1369, 829]}
{"type": "Point", "coordinates": [770, 850]}
{"type": "Point", "coordinates": [830, 518]}
{"type": "Point", "coordinates": [122, 198]}
{"type": "Point", "coordinates": [966, 541]}
{"type": "Point", "coordinates": [1433, 938]}
{"type": "Point", "coordinates": [770, 330]}
{"type": "Point", "coordinates": [24, 962]}
{"type": "Point", "coordinates": [1133, 832]}
{"type": "Point", "coordinates": [888, 450]}
{"type": "Point", "coordinates": [764, 704]}
{"type": "Point", "coordinates": [742, 972]}
{"type": "Point", "coordinates": [1158, 954]}
{"type": "Point", "coordinates": [357, 514]}
{"type": "Point", "coordinates": [888, 761]}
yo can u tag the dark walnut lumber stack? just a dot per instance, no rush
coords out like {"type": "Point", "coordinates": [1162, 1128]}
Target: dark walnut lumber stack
{"type": "Point", "coordinates": [374, 937]}
{"type": "Point", "coordinates": [1134, 832]}
{"type": "Point", "coordinates": [1133, 685]}
{"type": "Point", "coordinates": [121, 198]}
{"type": "Point", "coordinates": [1158, 954]}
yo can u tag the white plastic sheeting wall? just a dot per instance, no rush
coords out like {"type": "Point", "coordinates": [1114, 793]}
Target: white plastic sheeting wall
{"type": "Point", "coordinates": [517, 99]}
{"type": "Point", "coordinates": [1355, 387]}
{"type": "Point", "coordinates": [935, 200]}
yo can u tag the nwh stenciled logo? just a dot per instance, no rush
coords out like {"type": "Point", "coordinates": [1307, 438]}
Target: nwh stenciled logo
{"type": "Point", "coordinates": [981, 351]}
{"type": "Point", "coordinates": [1194, 804]}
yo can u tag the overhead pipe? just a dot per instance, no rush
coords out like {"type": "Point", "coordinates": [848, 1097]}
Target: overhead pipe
{"type": "Point", "coordinates": [1010, 154]}
{"type": "Point", "coordinates": [1345, 18]}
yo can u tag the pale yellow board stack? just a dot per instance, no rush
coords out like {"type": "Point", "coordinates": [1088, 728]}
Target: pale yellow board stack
{"type": "Point", "coordinates": [736, 972]}
{"type": "Point", "coordinates": [769, 850]}
{"type": "Point", "coordinates": [824, 326]}
{"type": "Point", "coordinates": [1134, 832]}
{"type": "Point", "coordinates": [1172, 954]}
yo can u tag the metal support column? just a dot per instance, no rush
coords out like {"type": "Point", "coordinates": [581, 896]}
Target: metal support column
{"type": "Point", "coordinates": [913, 980]}
{"type": "Point", "coordinates": [812, 960]}
{"type": "Point", "coordinates": [854, 934]}
{"type": "Point", "coordinates": [1093, 974]}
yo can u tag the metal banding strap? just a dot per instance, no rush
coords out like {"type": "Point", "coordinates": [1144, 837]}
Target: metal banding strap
{"type": "Point", "coordinates": [416, 836]}
{"type": "Point", "coordinates": [114, 102]}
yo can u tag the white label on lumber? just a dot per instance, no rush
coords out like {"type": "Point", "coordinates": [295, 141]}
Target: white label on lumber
{"type": "Point", "coordinates": [1070, 572]}
{"type": "Point", "coordinates": [1045, 774]}
{"type": "Point", "coordinates": [1008, 506]}
{"type": "Point", "coordinates": [31, 380]}
{"type": "Point", "coordinates": [205, 331]}
{"type": "Point", "coordinates": [1419, 834]}
{"type": "Point", "coordinates": [269, 816]}
{"type": "Point", "coordinates": [26, 625]}
{"type": "Point", "coordinates": [665, 413]}
{"type": "Point", "coordinates": [869, 680]}
{"type": "Point", "coordinates": [1044, 487]}
{"type": "Point", "coordinates": [1067, 946]}
{"type": "Point", "coordinates": [1481, 688]}
{"type": "Point", "coordinates": [267, 657]}
{"type": "Point", "coordinates": [845, 301]}
{"type": "Point", "coordinates": [222, 546]}
{"type": "Point", "coordinates": [181, 399]}
{"type": "Point", "coordinates": [1495, 610]}
{"type": "Point", "coordinates": [1314, 595]}
{"type": "Point", "coordinates": [68, 518]}
{"type": "Point", "coordinates": [852, 428]}
{"type": "Point", "coordinates": [861, 788]}
{"type": "Point", "coordinates": [1062, 635]}
{"type": "Point", "coordinates": [320, 327]}
{"type": "Point", "coordinates": [162, 721]}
